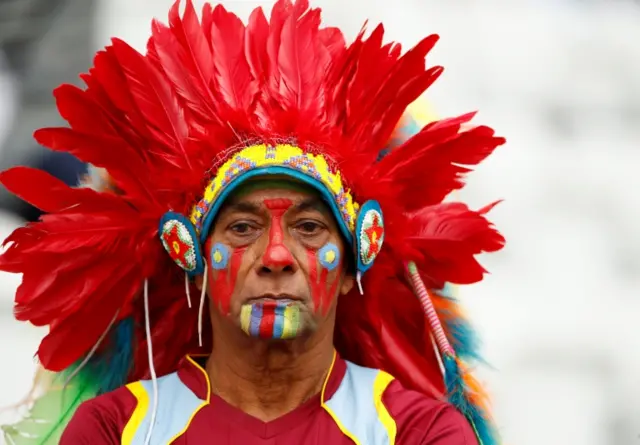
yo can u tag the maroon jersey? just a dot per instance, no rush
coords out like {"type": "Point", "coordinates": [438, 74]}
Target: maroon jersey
{"type": "Point", "coordinates": [344, 413]}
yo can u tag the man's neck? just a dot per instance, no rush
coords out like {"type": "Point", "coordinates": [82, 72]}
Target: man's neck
{"type": "Point", "coordinates": [269, 379]}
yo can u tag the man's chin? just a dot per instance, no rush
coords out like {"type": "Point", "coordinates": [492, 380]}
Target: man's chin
{"type": "Point", "coordinates": [272, 319]}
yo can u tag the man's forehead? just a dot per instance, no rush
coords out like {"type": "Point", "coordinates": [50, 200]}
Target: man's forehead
{"type": "Point", "coordinates": [253, 194]}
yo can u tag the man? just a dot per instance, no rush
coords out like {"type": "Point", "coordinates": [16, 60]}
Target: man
{"type": "Point", "coordinates": [264, 160]}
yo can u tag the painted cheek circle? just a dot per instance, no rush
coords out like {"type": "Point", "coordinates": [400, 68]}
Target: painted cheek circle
{"type": "Point", "coordinates": [219, 258]}
{"type": "Point", "coordinates": [328, 257]}
{"type": "Point", "coordinates": [225, 265]}
{"type": "Point", "coordinates": [271, 320]}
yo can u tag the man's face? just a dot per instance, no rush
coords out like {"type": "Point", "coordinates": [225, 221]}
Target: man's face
{"type": "Point", "coordinates": [276, 262]}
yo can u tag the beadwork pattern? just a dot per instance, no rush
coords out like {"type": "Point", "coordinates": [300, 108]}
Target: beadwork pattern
{"type": "Point", "coordinates": [281, 155]}
{"type": "Point", "coordinates": [179, 243]}
{"type": "Point", "coordinates": [371, 236]}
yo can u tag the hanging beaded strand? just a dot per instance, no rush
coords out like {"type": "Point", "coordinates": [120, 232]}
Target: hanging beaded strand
{"type": "Point", "coordinates": [432, 316]}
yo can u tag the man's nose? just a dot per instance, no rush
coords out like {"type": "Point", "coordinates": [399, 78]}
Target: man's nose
{"type": "Point", "coordinates": [277, 257]}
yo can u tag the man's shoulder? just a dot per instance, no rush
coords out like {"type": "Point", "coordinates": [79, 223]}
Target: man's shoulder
{"type": "Point", "coordinates": [393, 393]}
{"type": "Point", "coordinates": [424, 420]}
{"type": "Point", "coordinates": [101, 420]}
{"type": "Point", "coordinates": [397, 396]}
{"type": "Point", "coordinates": [416, 418]}
{"type": "Point", "coordinates": [118, 403]}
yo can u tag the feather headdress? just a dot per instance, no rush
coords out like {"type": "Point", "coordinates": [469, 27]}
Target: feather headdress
{"type": "Point", "coordinates": [214, 99]}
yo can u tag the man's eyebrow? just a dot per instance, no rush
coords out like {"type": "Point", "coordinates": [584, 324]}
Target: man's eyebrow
{"type": "Point", "coordinates": [241, 207]}
{"type": "Point", "coordinates": [311, 204]}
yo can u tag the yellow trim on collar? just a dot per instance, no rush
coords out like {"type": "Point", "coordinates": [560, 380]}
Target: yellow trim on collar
{"type": "Point", "coordinates": [333, 415]}
{"type": "Point", "coordinates": [382, 382]}
{"type": "Point", "coordinates": [142, 406]}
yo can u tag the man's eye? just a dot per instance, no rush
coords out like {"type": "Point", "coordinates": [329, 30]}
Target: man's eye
{"type": "Point", "coordinates": [241, 228]}
{"type": "Point", "coordinates": [309, 228]}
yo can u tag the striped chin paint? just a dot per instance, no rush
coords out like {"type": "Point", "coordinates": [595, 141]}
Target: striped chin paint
{"type": "Point", "coordinates": [278, 320]}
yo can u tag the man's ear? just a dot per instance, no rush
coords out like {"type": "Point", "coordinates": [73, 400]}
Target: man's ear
{"type": "Point", "coordinates": [347, 284]}
{"type": "Point", "coordinates": [198, 281]}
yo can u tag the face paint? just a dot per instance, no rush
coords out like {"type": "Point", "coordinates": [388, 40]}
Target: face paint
{"type": "Point", "coordinates": [219, 258]}
{"type": "Point", "coordinates": [276, 254]}
{"type": "Point", "coordinates": [225, 264]}
{"type": "Point", "coordinates": [328, 257]}
{"type": "Point", "coordinates": [271, 320]}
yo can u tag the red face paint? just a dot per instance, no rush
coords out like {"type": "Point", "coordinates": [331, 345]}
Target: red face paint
{"type": "Point", "coordinates": [268, 319]}
{"type": "Point", "coordinates": [321, 291]}
{"type": "Point", "coordinates": [223, 282]}
{"type": "Point", "coordinates": [276, 254]}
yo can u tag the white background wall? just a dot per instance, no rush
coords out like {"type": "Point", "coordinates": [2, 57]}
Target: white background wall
{"type": "Point", "coordinates": [558, 315]}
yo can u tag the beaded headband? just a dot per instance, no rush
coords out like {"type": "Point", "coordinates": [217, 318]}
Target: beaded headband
{"type": "Point", "coordinates": [361, 225]}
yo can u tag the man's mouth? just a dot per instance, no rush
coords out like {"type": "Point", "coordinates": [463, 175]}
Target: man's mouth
{"type": "Point", "coordinates": [273, 298]}
{"type": "Point", "coordinates": [272, 316]}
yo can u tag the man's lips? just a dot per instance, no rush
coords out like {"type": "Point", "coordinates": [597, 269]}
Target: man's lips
{"type": "Point", "coordinates": [274, 298]}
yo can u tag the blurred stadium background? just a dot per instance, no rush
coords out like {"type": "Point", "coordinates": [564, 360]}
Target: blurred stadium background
{"type": "Point", "coordinates": [561, 79]}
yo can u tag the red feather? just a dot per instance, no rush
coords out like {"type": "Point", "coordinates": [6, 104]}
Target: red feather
{"type": "Point", "coordinates": [184, 54]}
{"type": "Point", "coordinates": [371, 62]}
{"type": "Point", "coordinates": [40, 302]}
{"type": "Point", "coordinates": [191, 36]}
{"type": "Point", "coordinates": [279, 13]}
{"type": "Point", "coordinates": [107, 76]}
{"type": "Point", "coordinates": [102, 151]}
{"type": "Point", "coordinates": [449, 236]}
{"type": "Point", "coordinates": [207, 22]}
{"type": "Point", "coordinates": [442, 162]}
{"type": "Point", "coordinates": [62, 346]}
{"type": "Point", "coordinates": [233, 76]}
{"type": "Point", "coordinates": [164, 116]}
{"type": "Point", "coordinates": [333, 40]}
{"type": "Point", "coordinates": [298, 59]}
{"type": "Point", "coordinates": [382, 103]}
{"type": "Point", "coordinates": [255, 45]}
{"type": "Point", "coordinates": [30, 183]}
{"type": "Point", "coordinates": [82, 113]}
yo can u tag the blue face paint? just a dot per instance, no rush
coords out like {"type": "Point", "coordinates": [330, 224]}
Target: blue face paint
{"type": "Point", "coordinates": [329, 256]}
{"type": "Point", "coordinates": [219, 256]}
